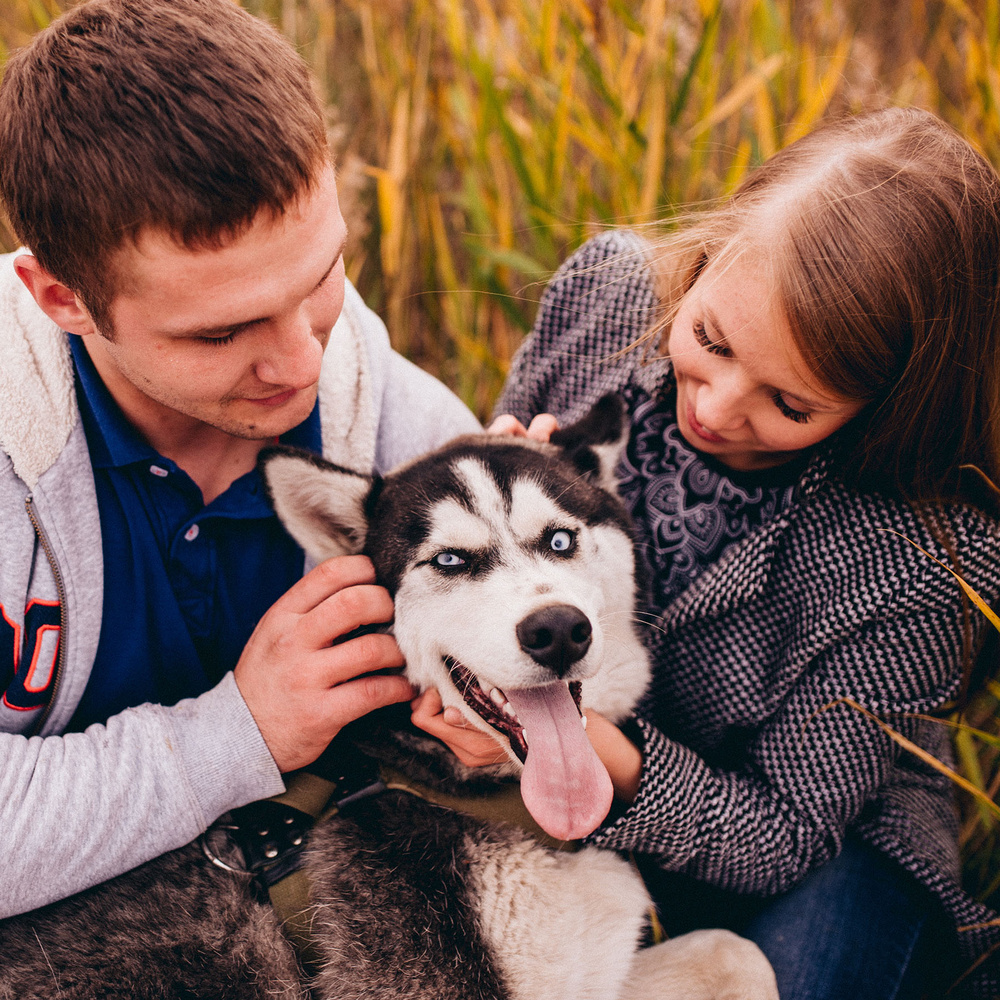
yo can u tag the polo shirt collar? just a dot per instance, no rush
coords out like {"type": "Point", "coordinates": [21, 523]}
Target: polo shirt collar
{"type": "Point", "coordinates": [114, 442]}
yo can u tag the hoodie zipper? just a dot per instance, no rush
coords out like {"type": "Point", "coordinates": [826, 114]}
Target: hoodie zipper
{"type": "Point", "coordinates": [61, 592]}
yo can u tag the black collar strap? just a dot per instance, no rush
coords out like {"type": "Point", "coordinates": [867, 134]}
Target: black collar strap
{"type": "Point", "coordinates": [271, 835]}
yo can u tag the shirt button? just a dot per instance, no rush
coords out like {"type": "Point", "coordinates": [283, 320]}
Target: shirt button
{"type": "Point", "coordinates": [191, 534]}
{"type": "Point", "coordinates": [158, 471]}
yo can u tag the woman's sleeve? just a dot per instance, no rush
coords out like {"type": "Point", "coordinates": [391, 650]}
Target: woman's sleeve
{"type": "Point", "coordinates": [818, 765]}
{"type": "Point", "coordinates": [599, 302]}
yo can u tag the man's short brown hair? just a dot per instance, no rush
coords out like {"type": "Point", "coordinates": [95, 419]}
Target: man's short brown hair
{"type": "Point", "coordinates": [187, 116]}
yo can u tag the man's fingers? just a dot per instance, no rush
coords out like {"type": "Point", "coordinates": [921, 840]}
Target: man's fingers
{"type": "Point", "coordinates": [329, 577]}
{"type": "Point", "coordinates": [355, 698]}
{"type": "Point", "coordinates": [364, 654]}
{"type": "Point", "coordinates": [343, 612]}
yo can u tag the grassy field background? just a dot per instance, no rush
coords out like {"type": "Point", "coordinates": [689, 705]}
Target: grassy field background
{"type": "Point", "coordinates": [480, 141]}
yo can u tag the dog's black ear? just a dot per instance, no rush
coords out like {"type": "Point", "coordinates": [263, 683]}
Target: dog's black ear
{"type": "Point", "coordinates": [321, 505]}
{"type": "Point", "coordinates": [594, 443]}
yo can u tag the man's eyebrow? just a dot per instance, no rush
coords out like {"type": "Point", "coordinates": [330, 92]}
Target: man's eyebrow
{"type": "Point", "coordinates": [234, 328]}
{"type": "Point", "coordinates": [334, 262]}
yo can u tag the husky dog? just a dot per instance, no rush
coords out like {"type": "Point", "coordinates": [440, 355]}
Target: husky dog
{"type": "Point", "coordinates": [512, 569]}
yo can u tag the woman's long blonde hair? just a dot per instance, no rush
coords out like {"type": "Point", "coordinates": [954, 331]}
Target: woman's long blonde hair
{"type": "Point", "coordinates": [883, 233]}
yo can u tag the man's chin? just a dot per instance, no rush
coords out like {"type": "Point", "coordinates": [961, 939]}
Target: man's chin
{"type": "Point", "coordinates": [256, 421]}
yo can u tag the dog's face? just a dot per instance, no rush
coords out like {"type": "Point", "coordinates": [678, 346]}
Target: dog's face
{"type": "Point", "coordinates": [512, 570]}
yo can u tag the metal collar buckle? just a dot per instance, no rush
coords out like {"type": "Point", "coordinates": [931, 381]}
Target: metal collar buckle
{"type": "Point", "coordinates": [271, 837]}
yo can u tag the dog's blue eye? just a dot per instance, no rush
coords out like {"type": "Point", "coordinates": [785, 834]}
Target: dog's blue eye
{"type": "Point", "coordinates": [448, 560]}
{"type": "Point", "coordinates": [561, 541]}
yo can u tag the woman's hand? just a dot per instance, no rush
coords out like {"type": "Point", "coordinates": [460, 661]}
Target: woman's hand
{"type": "Point", "coordinates": [620, 756]}
{"type": "Point", "coordinates": [474, 748]}
{"type": "Point", "coordinates": [540, 428]}
{"type": "Point", "coordinates": [471, 746]}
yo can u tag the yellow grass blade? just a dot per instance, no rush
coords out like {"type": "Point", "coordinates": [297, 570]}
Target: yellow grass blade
{"type": "Point", "coordinates": [821, 94]}
{"type": "Point", "coordinates": [740, 94]}
{"type": "Point", "coordinates": [970, 592]}
{"type": "Point", "coordinates": [926, 757]}
{"type": "Point", "coordinates": [656, 150]}
{"type": "Point", "coordinates": [960, 727]}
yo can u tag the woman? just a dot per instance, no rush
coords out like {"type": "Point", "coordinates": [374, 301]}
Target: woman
{"type": "Point", "coordinates": [817, 361]}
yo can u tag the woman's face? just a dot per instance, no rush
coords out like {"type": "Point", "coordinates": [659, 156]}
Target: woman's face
{"type": "Point", "coordinates": [744, 393]}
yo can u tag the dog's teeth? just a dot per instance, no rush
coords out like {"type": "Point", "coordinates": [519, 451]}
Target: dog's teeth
{"type": "Point", "coordinates": [508, 709]}
{"type": "Point", "coordinates": [583, 719]}
{"type": "Point", "coordinates": [497, 697]}
{"type": "Point", "coordinates": [524, 736]}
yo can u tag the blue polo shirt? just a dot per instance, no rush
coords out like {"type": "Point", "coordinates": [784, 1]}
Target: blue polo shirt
{"type": "Point", "coordinates": [184, 583]}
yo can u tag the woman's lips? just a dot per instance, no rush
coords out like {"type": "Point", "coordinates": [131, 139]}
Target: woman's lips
{"type": "Point", "coordinates": [700, 431]}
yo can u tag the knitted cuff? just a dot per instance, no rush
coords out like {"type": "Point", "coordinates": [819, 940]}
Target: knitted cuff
{"type": "Point", "coordinates": [664, 818]}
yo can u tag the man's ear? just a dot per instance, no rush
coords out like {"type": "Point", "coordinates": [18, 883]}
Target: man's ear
{"type": "Point", "coordinates": [322, 506]}
{"type": "Point", "coordinates": [61, 304]}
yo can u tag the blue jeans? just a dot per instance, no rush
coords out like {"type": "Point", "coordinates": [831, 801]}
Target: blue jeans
{"type": "Point", "coordinates": [851, 930]}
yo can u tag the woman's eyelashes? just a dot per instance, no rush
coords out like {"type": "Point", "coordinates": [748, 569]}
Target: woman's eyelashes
{"type": "Point", "coordinates": [714, 347]}
{"type": "Point", "coordinates": [799, 416]}
{"type": "Point", "coordinates": [711, 346]}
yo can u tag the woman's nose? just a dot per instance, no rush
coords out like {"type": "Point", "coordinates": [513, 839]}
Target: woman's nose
{"type": "Point", "coordinates": [720, 405]}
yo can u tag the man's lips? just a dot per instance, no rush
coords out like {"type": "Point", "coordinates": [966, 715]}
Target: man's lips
{"type": "Point", "coordinates": [705, 435]}
{"type": "Point", "coordinates": [276, 400]}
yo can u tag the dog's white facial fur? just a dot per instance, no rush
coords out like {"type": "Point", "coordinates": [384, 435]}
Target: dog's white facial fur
{"type": "Point", "coordinates": [474, 621]}
{"type": "Point", "coordinates": [466, 539]}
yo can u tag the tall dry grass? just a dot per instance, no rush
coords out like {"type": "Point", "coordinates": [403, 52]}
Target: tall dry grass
{"type": "Point", "coordinates": [480, 141]}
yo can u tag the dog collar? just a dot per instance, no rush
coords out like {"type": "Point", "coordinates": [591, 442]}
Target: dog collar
{"type": "Point", "coordinates": [271, 836]}
{"type": "Point", "coordinates": [504, 805]}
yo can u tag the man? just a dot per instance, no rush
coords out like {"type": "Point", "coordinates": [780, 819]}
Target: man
{"type": "Point", "coordinates": [181, 303]}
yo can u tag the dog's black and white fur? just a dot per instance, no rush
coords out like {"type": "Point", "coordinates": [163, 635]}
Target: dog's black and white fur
{"type": "Point", "coordinates": [511, 566]}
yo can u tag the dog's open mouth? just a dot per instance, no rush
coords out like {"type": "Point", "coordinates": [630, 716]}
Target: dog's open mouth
{"type": "Point", "coordinates": [564, 785]}
{"type": "Point", "coordinates": [494, 708]}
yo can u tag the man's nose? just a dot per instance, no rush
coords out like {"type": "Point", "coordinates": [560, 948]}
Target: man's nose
{"type": "Point", "coordinates": [293, 355]}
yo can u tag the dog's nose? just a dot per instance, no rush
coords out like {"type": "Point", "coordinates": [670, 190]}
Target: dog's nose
{"type": "Point", "coordinates": [556, 636]}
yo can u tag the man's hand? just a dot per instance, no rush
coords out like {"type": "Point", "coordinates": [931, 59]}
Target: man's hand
{"type": "Point", "coordinates": [300, 689]}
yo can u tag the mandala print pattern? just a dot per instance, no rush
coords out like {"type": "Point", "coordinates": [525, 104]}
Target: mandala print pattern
{"type": "Point", "coordinates": [689, 511]}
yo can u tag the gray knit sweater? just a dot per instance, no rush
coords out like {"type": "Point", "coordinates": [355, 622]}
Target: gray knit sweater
{"type": "Point", "coordinates": [754, 771]}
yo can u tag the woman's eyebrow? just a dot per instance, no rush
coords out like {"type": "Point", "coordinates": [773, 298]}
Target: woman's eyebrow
{"type": "Point", "coordinates": [713, 322]}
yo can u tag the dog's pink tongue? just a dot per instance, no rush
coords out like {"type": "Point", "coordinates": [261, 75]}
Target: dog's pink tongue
{"type": "Point", "coordinates": [564, 785]}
